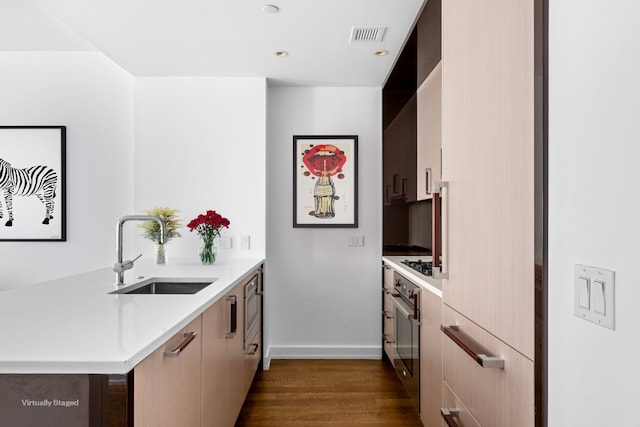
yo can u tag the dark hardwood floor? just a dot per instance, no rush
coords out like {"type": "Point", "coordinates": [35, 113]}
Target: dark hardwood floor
{"type": "Point", "coordinates": [328, 393]}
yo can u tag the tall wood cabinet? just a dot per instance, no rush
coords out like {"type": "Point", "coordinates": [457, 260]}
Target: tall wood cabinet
{"type": "Point", "coordinates": [488, 66]}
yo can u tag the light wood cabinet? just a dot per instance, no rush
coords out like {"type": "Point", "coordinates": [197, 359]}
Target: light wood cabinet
{"type": "Point", "coordinates": [201, 376]}
{"type": "Point", "coordinates": [429, 133]}
{"type": "Point", "coordinates": [497, 397]}
{"type": "Point", "coordinates": [388, 313]}
{"type": "Point", "coordinates": [228, 366]}
{"type": "Point", "coordinates": [167, 382]}
{"type": "Point", "coordinates": [488, 141]}
{"type": "Point", "coordinates": [456, 409]}
{"type": "Point", "coordinates": [430, 358]}
{"type": "Point", "coordinates": [236, 387]}
{"type": "Point", "coordinates": [488, 160]}
{"type": "Point", "coordinates": [215, 363]}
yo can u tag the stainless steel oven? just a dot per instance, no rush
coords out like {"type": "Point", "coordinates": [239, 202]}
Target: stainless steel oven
{"type": "Point", "coordinates": [252, 309]}
{"type": "Point", "coordinates": [406, 300]}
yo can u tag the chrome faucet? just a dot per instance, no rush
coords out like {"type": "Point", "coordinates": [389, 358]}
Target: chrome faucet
{"type": "Point", "coordinates": [121, 266]}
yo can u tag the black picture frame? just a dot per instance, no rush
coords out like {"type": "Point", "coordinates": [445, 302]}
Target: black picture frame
{"type": "Point", "coordinates": [325, 181]}
{"type": "Point", "coordinates": [33, 183]}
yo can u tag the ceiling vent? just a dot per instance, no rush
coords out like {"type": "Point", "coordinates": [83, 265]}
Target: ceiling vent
{"type": "Point", "coordinates": [367, 34]}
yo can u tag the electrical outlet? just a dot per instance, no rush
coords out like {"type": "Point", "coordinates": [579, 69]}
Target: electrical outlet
{"type": "Point", "coordinates": [245, 242]}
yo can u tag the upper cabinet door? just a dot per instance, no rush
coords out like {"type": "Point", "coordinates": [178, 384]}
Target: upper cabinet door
{"type": "Point", "coordinates": [429, 132]}
{"type": "Point", "coordinates": [488, 160]}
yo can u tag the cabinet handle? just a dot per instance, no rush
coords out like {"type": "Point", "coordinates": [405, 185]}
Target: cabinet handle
{"type": "Point", "coordinates": [254, 349]}
{"type": "Point", "coordinates": [233, 316]}
{"type": "Point", "coordinates": [470, 347]}
{"type": "Point", "coordinates": [387, 314]}
{"type": "Point", "coordinates": [388, 339]}
{"type": "Point", "coordinates": [427, 184]}
{"type": "Point", "coordinates": [449, 416]}
{"type": "Point", "coordinates": [188, 337]}
{"type": "Point", "coordinates": [439, 234]}
{"type": "Point", "coordinates": [404, 308]}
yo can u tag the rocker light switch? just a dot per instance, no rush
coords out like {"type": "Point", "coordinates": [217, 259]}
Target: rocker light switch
{"type": "Point", "coordinates": [599, 297]}
{"type": "Point", "coordinates": [582, 288]}
{"type": "Point", "coordinates": [594, 295]}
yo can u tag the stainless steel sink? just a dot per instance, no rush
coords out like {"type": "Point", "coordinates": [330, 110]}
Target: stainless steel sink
{"type": "Point", "coordinates": [166, 286]}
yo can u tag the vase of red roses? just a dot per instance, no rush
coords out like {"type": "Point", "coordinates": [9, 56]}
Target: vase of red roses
{"type": "Point", "coordinates": [208, 226]}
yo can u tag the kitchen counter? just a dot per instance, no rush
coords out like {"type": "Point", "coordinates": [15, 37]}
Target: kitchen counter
{"type": "Point", "coordinates": [74, 325]}
{"type": "Point", "coordinates": [426, 282]}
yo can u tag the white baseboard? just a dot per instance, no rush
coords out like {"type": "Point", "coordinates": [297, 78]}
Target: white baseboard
{"type": "Point", "coordinates": [309, 352]}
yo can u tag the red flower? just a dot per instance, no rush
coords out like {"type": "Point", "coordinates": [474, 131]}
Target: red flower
{"type": "Point", "coordinates": [209, 224]}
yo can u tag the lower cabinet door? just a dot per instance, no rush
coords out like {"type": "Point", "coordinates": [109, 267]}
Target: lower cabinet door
{"type": "Point", "coordinates": [495, 396]}
{"type": "Point", "coordinates": [430, 358]}
{"type": "Point", "coordinates": [252, 357]}
{"type": "Point", "coordinates": [388, 314]}
{"type": "Point", "coordinates": [167, 383]}
{"type": "Point", "coordinates": [215, 367]}
{"type": "Point", "coordinates": [453, 412]}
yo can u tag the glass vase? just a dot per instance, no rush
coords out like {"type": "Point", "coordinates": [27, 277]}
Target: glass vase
{"type": "Point", "coordinates": [208, 251]}
{"type": "Point", "coordinates": [161, 254]}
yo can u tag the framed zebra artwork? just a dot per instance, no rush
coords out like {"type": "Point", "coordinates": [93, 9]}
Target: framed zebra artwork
{"type": "Point", "coordinates": [32, 183]}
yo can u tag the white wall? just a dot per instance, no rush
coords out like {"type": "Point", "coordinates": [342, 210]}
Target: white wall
{"type": "Point", "coordinates": [90, 95]}
{"type": "Point", "coordinates": [323, 297]}
{"type": "Point", "coordinates": [594, 207]}
{"type": "Point", "coordinates": [200, 144]}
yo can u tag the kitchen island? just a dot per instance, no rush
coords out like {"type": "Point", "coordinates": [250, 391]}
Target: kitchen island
{"type": "Point", "coordinates": [75, 325]}
{"type": "Point", "coordinates": [77, 354]}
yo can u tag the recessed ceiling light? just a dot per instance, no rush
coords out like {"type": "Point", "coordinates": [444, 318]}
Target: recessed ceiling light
{"type": "Point", "coordinates": [281, 53]}
{"type": "Point", "coordinates": [269, 8]}
{"type": "Point", "coordinates": [380, 52]}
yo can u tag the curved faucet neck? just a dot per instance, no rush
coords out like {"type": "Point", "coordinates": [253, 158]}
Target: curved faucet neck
{"type": "Point", "coordinates": [120, 265]}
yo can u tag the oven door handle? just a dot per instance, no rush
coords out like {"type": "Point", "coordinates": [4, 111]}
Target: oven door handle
{"type": "Point", "coordinates": [406, 310]}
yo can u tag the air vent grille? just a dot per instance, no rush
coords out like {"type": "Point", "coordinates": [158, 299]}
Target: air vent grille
{"type": "Point", "coordinates": [367, 34]}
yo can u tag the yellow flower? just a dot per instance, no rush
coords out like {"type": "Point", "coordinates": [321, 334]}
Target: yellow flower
{"type": "Point", "coordinates": [152, 228]}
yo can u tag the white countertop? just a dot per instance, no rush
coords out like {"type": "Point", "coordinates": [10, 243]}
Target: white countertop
{"type": "Point", "coordinates": [426, 282]}
{"type": "Point", "coordinates": [74, 324]}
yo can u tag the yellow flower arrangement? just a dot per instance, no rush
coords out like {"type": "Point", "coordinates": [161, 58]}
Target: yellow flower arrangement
{"type": "Point", "coordinates": [152, 228]}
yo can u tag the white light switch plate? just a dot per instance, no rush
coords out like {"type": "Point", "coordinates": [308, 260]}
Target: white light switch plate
{"type": "Point", "coordinates": [245, 242]}
{"type": "Point", "coordinates": [594, 295]}
{"type": "Point", "coordinates": [356, 240]}
{"type": "Point", "coordinates": [225, 243]}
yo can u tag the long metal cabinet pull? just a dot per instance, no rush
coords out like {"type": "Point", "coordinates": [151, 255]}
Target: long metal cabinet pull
{"type": "Point", "coordinates": [188, 337]}
{"type": "Point", "coordinates": [449, 416]}
{"type": "Point", "coordinates": [474, 350]}
{"type": "Point", "coordinates": [427, 177]}
{"type": "Point", "coordinates": [439, 234]}
{"type": "Point", "coordinates": [233, 316]}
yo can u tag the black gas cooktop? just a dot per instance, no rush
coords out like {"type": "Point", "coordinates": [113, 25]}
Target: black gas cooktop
{"type": "Point", "coordinates": [424, 267]}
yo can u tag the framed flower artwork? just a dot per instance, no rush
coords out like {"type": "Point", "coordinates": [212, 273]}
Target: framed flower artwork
{"type": "Point", "coordinates": [325, 181]}
{"type": "Point", "coordinates": [32, 183]}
